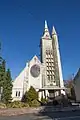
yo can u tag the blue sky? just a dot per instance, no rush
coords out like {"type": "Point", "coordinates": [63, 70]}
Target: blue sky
{"type": "Point", "coordinates": [22, 25]}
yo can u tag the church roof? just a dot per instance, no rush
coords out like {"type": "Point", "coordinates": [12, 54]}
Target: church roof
{"type": "Point", "coordinates": [36, 59]}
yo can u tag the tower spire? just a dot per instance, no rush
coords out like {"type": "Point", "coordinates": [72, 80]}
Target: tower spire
{"type": "Point", "coordinates": [46, 27]}
{"type": "Point", "coordinates": [46, 33]}
{"type": "Point", "coordinates": [54, 31]}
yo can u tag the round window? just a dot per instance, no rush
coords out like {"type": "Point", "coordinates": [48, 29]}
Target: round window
{"type": "Point", "coordinates": [35, 70]}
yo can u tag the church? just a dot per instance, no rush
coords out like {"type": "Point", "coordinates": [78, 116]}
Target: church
{"type": "Point", "coordinates": [44, 74]}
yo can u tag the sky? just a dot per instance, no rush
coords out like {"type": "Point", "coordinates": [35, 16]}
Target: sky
{"type": "Point", "coordinates": [22, 26]}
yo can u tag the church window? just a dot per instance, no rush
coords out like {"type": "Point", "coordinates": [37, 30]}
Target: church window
{"type": "Point", "coordinates": [47, 63]}
{"type": "Point", "coordinates": [49, 55]}
{"type": "Point", "coordinates": [46, 55]}
{"type": "Point", "coordinates": [52, 72]}
{"type": "Point", "coordinates": [47, 60]}
{"type": "Point", "coordinates": [51, 52]}
{"type": "Point", "coordinates": [52, 68]}
{"type": "Point", "coordinates": [35, 59]}
{"type": "Point", "coordinates": [47, 72]}
{"type": "Point", "coordinates": [51, 77]}
{"type": "Point", "coordinates": [52, 64]}
{"type": "Point", "coordinates": [16, 93]}
{"type": "Point", "coordinates": [47, 52]}
{"type": "Point", "coordinates": [47, 67]}
{"type": "Point", "coordinates": [48, 77]}
{"type": "Point", "coordinates": [52, 59]}
{"type": "Point", "coordinates": [19, 94]}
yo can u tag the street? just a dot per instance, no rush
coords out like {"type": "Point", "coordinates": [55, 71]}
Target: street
{"type": "Point", "coordinates": [63, 115]}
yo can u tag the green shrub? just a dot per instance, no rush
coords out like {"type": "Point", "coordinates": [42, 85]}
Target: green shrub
{"type": "Point", "coordinates": [17, 104]}
{"type": "Point", "coordinates": [44, 100]}
{"type": "Point", "coordinates": [25, 105]}
{"type": "Point", "coordinates": [2, 105]}
{"type": "Point", "coordinates": [31, 95]}
{"type": "Point", "coordinates": [34, 103]}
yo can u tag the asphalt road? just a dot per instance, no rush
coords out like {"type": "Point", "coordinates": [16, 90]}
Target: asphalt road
{"type": "Point", "coordinates": [65, 115]}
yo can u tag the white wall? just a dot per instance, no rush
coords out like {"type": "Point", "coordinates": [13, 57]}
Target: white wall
{"type": "Point", "coordinates": [25, 80]}
{"type": "Point", "coordinates": [46, 44]}
{"type": "Point", "coordinates": [35, 81]}
{"type": "Point", "coordinates": [18, 86]}
{"type": "Point", "coordinates": [77, 88]}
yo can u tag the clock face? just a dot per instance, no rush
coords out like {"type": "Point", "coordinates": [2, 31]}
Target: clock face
{"type": "Point", "coordinates": [35, 70]}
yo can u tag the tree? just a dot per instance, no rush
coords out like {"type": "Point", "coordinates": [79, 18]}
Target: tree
{"type": "Point", "coordinates": [73, 93]}
{"type": "Point", "coordinates": [70, 86]}
{"type": "Point", "coordinates": [2, 72]}
{"type": "Point", "coordinates": [31, 95]}
{"type": "Point", "coordinates": [7, 88]}
{"type": "Point", "coordinates": [5, 81]}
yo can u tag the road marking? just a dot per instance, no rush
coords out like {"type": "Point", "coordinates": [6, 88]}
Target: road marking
{"type": "Point", "coordinates": [64, 118]}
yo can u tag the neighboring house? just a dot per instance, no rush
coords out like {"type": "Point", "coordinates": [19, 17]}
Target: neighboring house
{"type": "Point", "coordinates": [77, 85]}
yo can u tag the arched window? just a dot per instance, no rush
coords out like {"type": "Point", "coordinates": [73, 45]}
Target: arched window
{"type": "Point", "coordinates": [16, 93]}
{"type": "Point", "coordinates": [19, 94]}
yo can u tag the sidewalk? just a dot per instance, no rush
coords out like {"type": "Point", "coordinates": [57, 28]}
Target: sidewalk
{"type": "Point", "coordinates": [16, 111]}
{"type": "Point", "coordinates": [20, 111]}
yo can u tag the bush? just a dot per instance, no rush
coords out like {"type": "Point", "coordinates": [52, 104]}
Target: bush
{"type": "Point", "coordinates": [44, 100]}
{"type": "Point", "coordinates": [31, 95]}
{"type": "Point", "coordinates": [17, 104]}
{"type": "Point", "coordinates": [34, 103]}
{"type": "Point", "coordinates": [2, 105]}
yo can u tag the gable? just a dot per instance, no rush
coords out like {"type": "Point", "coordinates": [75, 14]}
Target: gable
{"type": "Point", "coordinates": [35, 60]}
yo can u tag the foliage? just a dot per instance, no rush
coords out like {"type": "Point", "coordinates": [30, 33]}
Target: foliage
{"type": "Point", "coordinates": [68, 83]}
{"type": "Point", "coordinates": [17, 104]}
{"type": "Point", "coordinates": [73, 94]}
{"type": "Point", "coordinates": [24, 98]}
{"type": "Point", "coordinates": [44, 100]}
{"type": "Point", "coordinates": [70, 86]}
{"type": "Point", "coordinates": [5, 82]}
{"type": "Point", "coordinates": [7, 88]}
{"type": "Point", "coordinates": [2, 105]}
{"type": "Point", "coordinates": [34, 103]}
{"type": "Point", "coordinates": [2, 72]}
{"type": "Point", "coordinates": [31, 95]}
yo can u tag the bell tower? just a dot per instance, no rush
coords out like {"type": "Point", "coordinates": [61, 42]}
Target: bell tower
{"type": "Point", "coordinates": [50, 57]}
{"type": "Point", "coordinates": [47, 57]}
{"type": "Point", "coordinates": [58, 68]}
